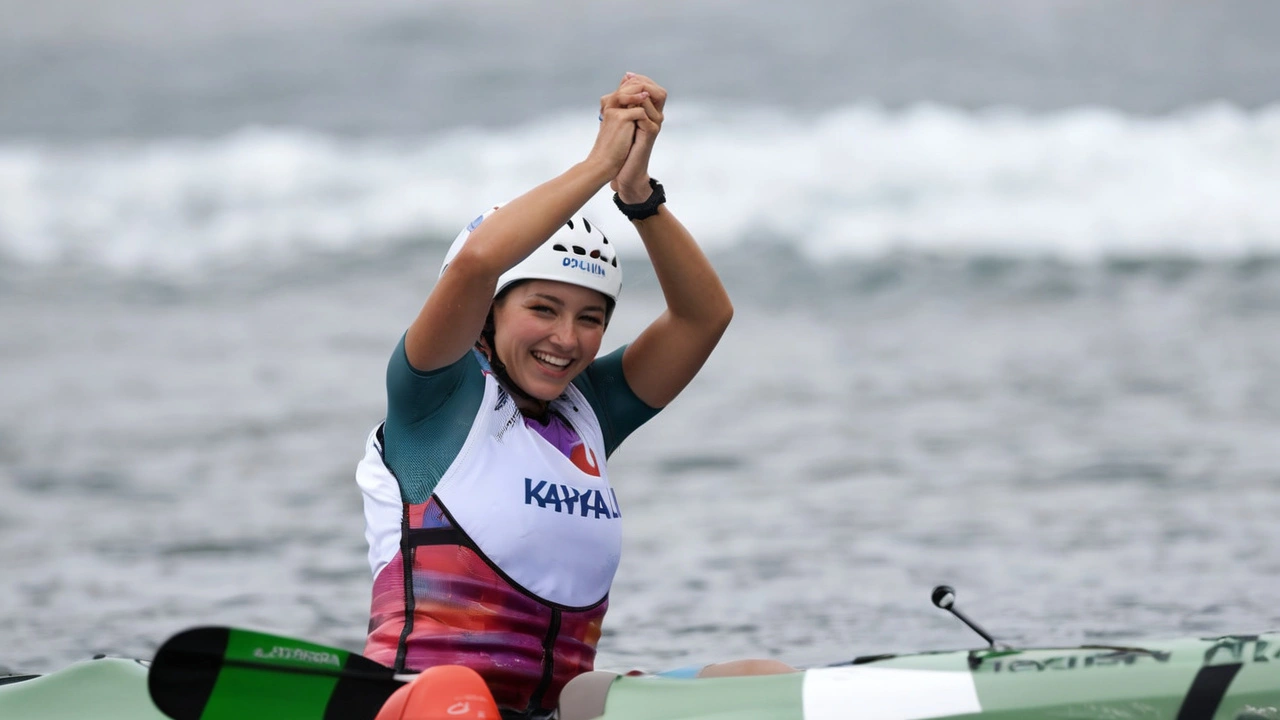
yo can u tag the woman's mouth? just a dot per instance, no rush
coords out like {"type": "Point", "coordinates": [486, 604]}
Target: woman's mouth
{"type": "Point", "coordinates": [553, 361]}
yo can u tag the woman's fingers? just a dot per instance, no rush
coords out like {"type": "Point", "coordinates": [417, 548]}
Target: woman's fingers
{"type": "Point", "coordinates": [631, 118]}
{"type": "Point", "coordinates": [624, 97]}
{"type": "Point", "coordinates": [622, 115]}
{"type": "Point", "coordinates": [656, 91]}
{"type": "Point", "coordinates": [636, 95]}
{"type": "Point", "coordinates": [652, 122]}
{"type": "Point", "coordinates": [617, 133]}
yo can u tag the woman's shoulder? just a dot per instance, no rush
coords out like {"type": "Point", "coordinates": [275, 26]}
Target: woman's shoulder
{"type": "Point", "coordinates": [616, 406]}
{"type": "Point", "coordinates": [414, 396]}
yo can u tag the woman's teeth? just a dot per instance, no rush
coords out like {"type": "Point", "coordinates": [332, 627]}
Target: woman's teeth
{"type": "Point", "coordinates": [552, 359]}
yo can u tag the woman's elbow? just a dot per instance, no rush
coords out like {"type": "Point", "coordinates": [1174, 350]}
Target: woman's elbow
{"type": "Point", "coordinates": [476, 260]}
{"type": "Point", "coordinates": [721, 318]}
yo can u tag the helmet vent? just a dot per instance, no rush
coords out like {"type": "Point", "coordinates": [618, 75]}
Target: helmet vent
{"type": "Point", "coordinates": [579, 250]}
{"type": "Point", "coordinates": [559, 248]}
{"type": "Point", "coordinates": [615, 262]}
{"type": "Point", "coordinates": [570, 223]}
{"type": "Point", "coordinates": [585, 224]}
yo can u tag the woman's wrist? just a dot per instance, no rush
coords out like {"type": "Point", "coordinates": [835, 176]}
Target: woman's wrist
{"type": "Point", "coordinates": [600, 171]}
{"type": "Point", "coordinates": [636, 192]}
{"type": "Point", "coordinates": [645, 208]}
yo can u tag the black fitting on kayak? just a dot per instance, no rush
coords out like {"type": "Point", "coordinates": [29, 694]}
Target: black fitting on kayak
{"type": "Point", "coordinates": [945, 597]}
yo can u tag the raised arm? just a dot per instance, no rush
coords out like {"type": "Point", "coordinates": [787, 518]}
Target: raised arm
{"type": "Point", "coordinates": [452, 317]}
{"type": "Point", "coordinates": [666, 356]}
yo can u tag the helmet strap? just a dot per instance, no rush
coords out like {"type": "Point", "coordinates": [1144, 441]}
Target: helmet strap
{"type": "Point", "coordinates": [487, 347]}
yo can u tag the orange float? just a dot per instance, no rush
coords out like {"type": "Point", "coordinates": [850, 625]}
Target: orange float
{"type": "Point", "coordinates": [445, 692]}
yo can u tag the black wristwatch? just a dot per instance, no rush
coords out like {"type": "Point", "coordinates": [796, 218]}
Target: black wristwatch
{"type": "Point", "coordinates": [648, 208]}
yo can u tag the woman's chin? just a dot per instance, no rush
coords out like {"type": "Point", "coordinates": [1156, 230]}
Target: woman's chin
{"type": "Point", "coordinates": [542, 389]}
{"type": "Point", "coordinates": [548, 393]}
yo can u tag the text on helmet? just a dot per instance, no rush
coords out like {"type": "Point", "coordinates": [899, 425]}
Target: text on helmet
{"type": "Point", "coordinates": [592, 267]}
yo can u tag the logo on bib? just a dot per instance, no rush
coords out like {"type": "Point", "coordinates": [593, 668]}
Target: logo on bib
{"type": "Point", "coordinates": [570, 500]}
{"type": "Point", "coordinates": [585, 459]}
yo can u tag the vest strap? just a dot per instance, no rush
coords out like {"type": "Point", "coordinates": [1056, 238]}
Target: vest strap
{"type": "Point", "coordinates": [423, 537]}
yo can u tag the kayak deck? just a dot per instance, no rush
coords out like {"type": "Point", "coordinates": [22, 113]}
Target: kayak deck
{"type": "Point", "coordinates": [1227, 678]}
{"type": "Point", "coordinates": [102, 689]}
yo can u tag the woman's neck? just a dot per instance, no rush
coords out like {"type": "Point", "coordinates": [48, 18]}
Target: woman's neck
{"type": "Point", "coordinates": [530, 406]}
{"type": "Point", "coordinates": [527, 404]}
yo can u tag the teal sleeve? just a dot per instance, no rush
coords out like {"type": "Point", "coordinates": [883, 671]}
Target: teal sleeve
{"type": "Point", "coordinates": [619, 410]}
{"type": "Point", "coordinates": [429, 415]}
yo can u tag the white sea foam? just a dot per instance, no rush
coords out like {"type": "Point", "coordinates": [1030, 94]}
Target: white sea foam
{"type": "Point", "coordinates": [862, 180]}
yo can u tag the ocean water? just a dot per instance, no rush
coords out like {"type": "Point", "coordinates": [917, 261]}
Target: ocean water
{"type": "Point", "coordinates": [1007, 281]}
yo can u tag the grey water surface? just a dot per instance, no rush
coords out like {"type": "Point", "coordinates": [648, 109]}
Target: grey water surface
{"type": "Point", "coordinates": [1084, 453]}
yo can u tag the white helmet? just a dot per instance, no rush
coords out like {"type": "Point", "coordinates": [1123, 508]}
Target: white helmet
{"type": "Point", "coordinates": [578, 254]}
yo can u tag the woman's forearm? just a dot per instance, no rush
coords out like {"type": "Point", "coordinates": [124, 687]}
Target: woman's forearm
{"type": "Point", "coordinates": [689, 283]}
{"type": "Point", "coordinates": [520, 226]}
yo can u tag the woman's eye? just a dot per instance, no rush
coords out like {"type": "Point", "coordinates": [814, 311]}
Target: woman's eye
{"type": "Point", "coordinates": [542, 309]}
{"type": "Point", "coordinates": [592, 320]}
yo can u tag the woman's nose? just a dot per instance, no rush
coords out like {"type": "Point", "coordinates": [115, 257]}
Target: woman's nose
{"type": "Point", "coordinates": [565, 335]}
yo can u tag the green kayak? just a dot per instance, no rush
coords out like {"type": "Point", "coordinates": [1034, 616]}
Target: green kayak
{"type": "Point", "coordinates": [1225, 678]}
{"type": "Point", "coordinates": [1229, 678]}
{"type": "Point", "coordinates": [103, 689]}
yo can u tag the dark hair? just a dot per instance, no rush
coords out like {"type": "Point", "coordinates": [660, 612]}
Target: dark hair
{"type": "Point", "coordinates": [489, 348]}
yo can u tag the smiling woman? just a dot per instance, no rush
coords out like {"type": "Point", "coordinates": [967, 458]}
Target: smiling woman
{"type": "Point", "coordinates": [494, 533]}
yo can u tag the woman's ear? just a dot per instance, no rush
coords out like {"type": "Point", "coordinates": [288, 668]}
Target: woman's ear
{"type": "Point", "coordinates": [484, 343]}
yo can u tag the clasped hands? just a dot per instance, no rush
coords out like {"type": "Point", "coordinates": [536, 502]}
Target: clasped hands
{"type": "Point", "coordinates": [630, 120]}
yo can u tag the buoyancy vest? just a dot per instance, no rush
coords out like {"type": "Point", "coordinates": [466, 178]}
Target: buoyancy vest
{"type": "Point", "coordinates": [506, 568]}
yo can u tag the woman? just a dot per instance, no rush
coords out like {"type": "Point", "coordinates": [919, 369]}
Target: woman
{"type": "Point", "coordinates": [494, 534]}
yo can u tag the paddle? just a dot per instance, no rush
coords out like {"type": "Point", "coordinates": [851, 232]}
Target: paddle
{"type": "Point", "coordinates": [221, 673]}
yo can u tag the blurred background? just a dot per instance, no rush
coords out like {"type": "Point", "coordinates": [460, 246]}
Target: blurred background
{"type": "Point", "coordinates": [1007, 279]}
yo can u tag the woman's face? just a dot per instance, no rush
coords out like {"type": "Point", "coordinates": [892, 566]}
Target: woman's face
{"type": "Point", "coordinates": [546, 332]}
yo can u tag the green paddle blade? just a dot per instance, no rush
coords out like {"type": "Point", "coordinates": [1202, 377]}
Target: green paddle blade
{"type": "Point", "coordinates": [220, 673]}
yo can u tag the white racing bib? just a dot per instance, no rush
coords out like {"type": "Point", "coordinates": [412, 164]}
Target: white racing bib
{"type": "Point", "coordinates": [552, 528]}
